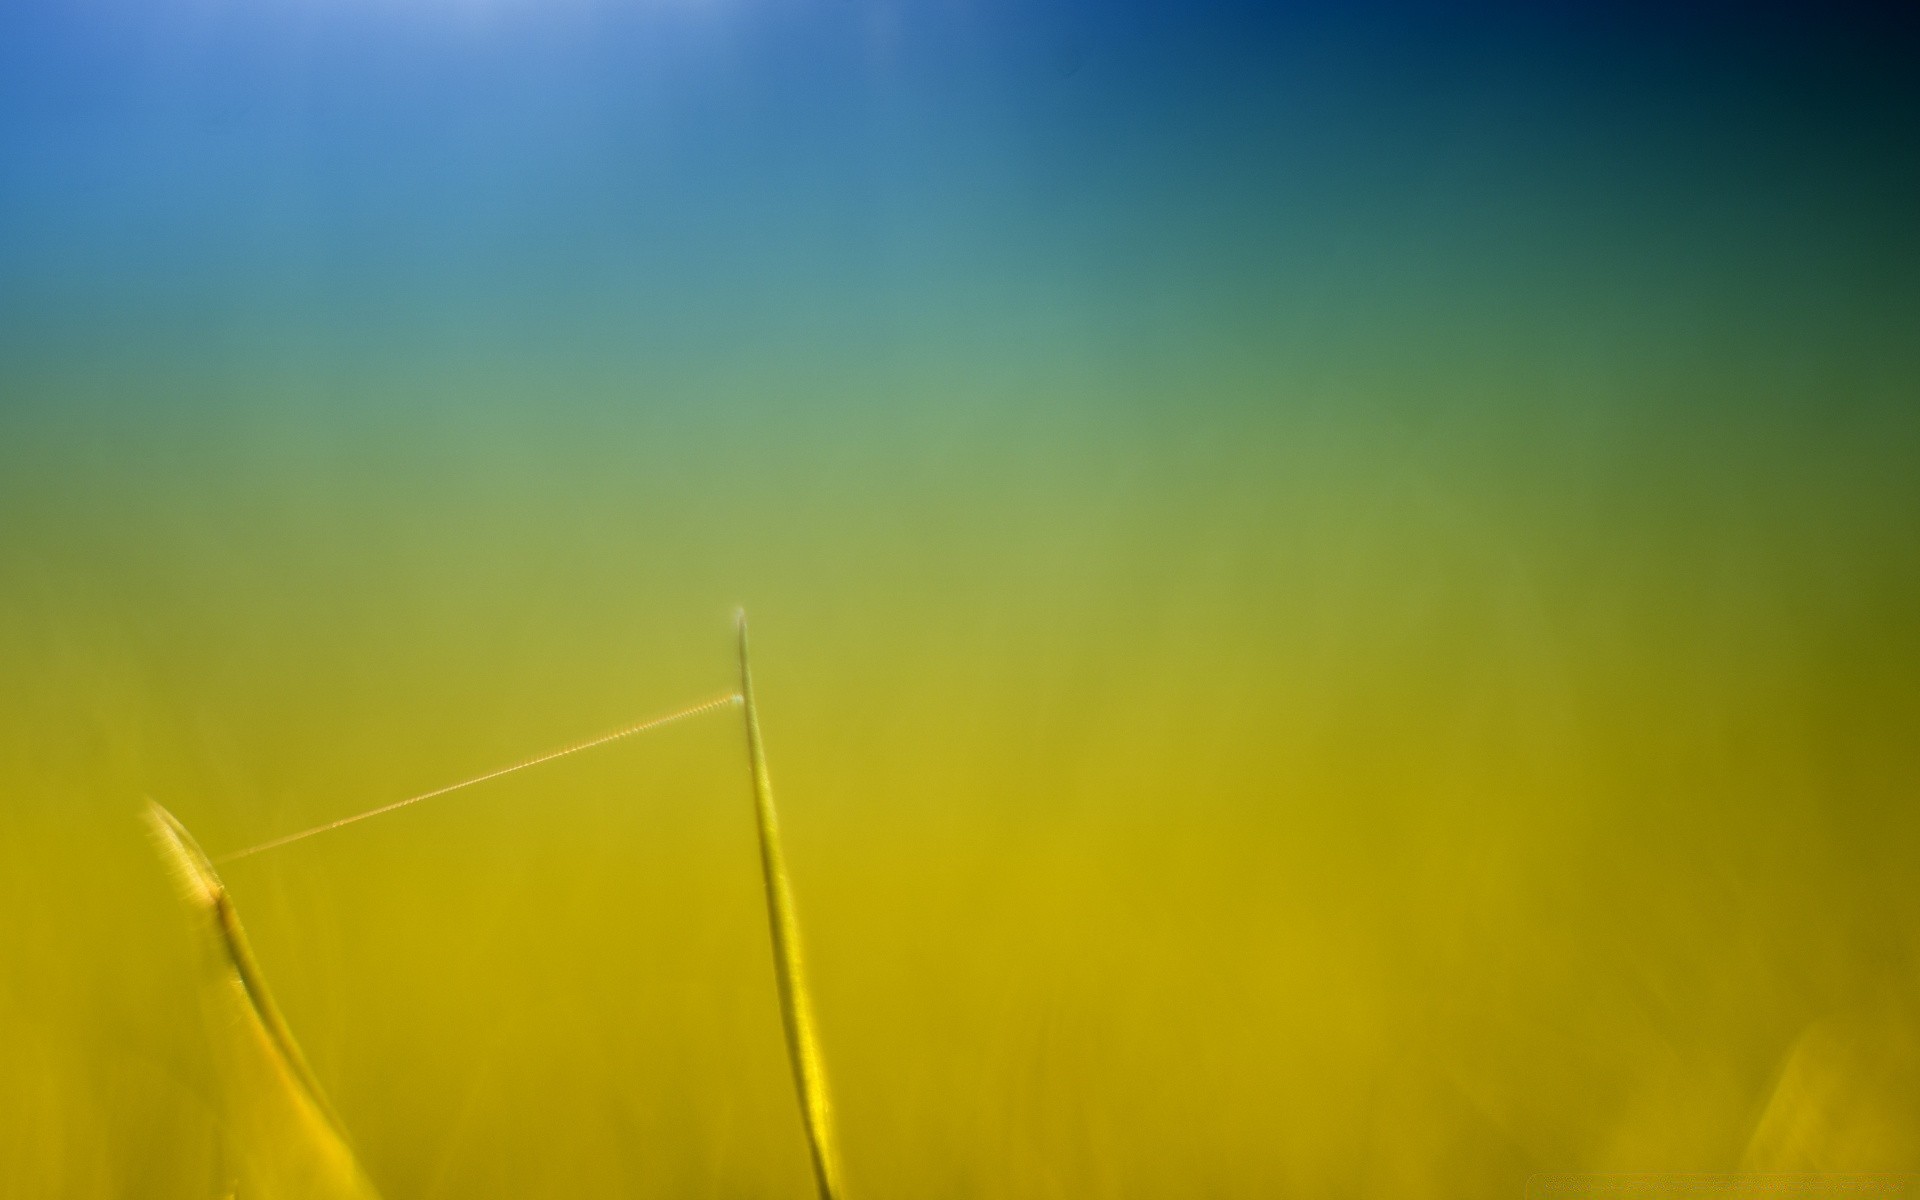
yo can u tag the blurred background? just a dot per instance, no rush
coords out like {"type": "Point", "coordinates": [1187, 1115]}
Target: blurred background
{"type": "Point", "coordinates": [1334, 586]}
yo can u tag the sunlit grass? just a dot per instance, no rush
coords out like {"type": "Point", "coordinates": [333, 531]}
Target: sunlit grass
{"type": "Point", "coordinates": [284, 1140]}
{"type": "Point", "coordinates": [283, 1134]}
{"type": "Point", "coordinates": [796, 1003]}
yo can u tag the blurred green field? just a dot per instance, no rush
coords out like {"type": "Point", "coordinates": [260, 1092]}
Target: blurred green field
{"type": "Point", "coordinates": [1320, 809]}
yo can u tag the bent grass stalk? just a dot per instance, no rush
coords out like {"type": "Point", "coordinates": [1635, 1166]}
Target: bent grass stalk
{"type": "Point", "coordinates": [293, 1146]}
{"type": "Point", "coordinates": [796, 1009]}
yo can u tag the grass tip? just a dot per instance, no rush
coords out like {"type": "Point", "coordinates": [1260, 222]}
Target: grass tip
{"type": "Point", "coordinates": [189, 863]}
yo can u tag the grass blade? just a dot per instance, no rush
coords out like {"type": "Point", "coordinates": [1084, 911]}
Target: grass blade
{"type": "Point", "coordinates": [288, 1142]}
{"type": "Point", "coordinates": [796, 1010]}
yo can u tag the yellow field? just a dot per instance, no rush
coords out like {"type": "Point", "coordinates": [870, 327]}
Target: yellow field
{"type": "Point", "coordinates": [1345, 827]}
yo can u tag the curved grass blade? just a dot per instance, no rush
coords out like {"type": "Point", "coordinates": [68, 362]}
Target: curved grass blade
{"type": "Point", "coordinates": [796, 1010]}
{"type": "Point", "coordinates": [287, 1140]}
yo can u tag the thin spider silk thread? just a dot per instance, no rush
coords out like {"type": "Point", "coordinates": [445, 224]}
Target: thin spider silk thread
{"type": "Point", "coordinates": [577, 747]}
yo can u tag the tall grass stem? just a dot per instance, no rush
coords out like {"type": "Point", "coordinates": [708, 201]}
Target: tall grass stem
{"type": "Point", "coordinates": [796, 1009]}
